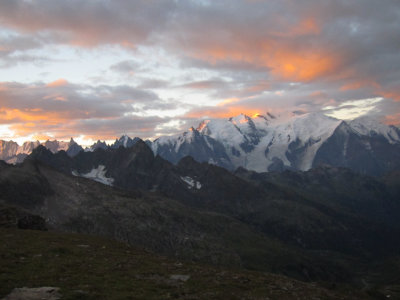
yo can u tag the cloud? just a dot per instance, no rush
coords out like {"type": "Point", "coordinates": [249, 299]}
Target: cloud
{"type": "Point", "coordinates": [128, 66]}
{"type": "Point", "coordinates": [233, 55]}
{"type": "Point", "coordinates": [151, 83]}
{"type": "Point", "coordinates": [143, 127]}
{"type": "Point", "coordinates": [58, 83]}
{"type": "Point", "coordinates": [204, 84]}
{"type": "Point", "coordinates": [63, 109]}
{"type": "Point", "coordinates": [88, 23]}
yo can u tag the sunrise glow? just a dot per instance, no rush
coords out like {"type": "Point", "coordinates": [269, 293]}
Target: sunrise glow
{"type": "Point", "coordinates": [99, 70]}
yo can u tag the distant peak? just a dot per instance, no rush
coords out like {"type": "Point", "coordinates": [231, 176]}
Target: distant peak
{"type": "Point", "coordinates": [202, 125]}
{"type": "Point", "coordinates": [368, 119]}
{"type": "Point", "coordinates": [240, 119]}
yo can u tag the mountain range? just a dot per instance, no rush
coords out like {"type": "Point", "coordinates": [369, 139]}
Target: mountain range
{"type": "Point", "coordinates": [13, 153]}
{"type": "Point", "coordinates": [269, 143]}
{"type": "Point", "coordinates": [326, 224]}
{"type": "Point", "coordinates": [263, 143]}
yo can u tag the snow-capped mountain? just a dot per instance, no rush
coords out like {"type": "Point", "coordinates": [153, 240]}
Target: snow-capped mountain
{"type": "Point", "coordinates": [270, 143]}
{"type": "Point", "coordinates": [263, 142]}
{"type": "Point", "coordinates": [368, 126]}
{"type": "Point", "coordinates": [98, 145]}
{"type": "Point", "coordinates": [193, 143]}
{"type": "Point", "coordinates": [124, 141]}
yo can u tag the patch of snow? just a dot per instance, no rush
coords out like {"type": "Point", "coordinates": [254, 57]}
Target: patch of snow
{"type": "Point", "coordinates": [211, 161]}
{"type": "Point", "coordinates": [227, 133]}
{"type": "Point", "coordinates": [368, 126]}
{"type": "Point", "coordinates": [206, 139]}
{"type": "Point", "coordinates": [125, 140]}
{"type": "Point", "coordinates": [367, 145]}
{"type": "Point", "coordinates": [191, 183]}
{"type": "Point", "coordinates": [175, 142]}
{"type": "Point", "coordinates": [169, 140]}
{"type": "Point", "coordinates": [310, 130]}
{"type": "Point", "coordinates": [97, 174]}
{"type": "Point", "coordinates": [223, 131]}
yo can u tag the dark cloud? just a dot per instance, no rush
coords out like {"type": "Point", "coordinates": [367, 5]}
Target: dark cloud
{"type": "Point", "coordinates": [14, 50]}
{"type": "Point", "coordinates": [151, 83]}
{"type": "Point", "coordinates": [88, 23]}
{"type": "Point", "coordinates": [215, 84]}
{"type": "Point", "coordinates": [10, 44]}
{"type": "Point", "coordinates": [128, 66]}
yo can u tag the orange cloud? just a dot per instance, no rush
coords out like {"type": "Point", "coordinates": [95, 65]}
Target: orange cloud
{"type": "Point", "coordinates": [305, 26]}
{"type": "Point", "coordinates": [360, 83]}
{"type": "Point", "coordinates": [58, 83]}
{"type": "Point", "coordinates": [393, 119]}
{"type": "Point", "coordinates": [391, 94]}
{"type": "Point", "coordinates": [258, 87]}
{"type": "Point", "coordinates": [288, 53]}
{"type": "Point", "coordinates": [228, 101]}
{"type": "Point", "coordinates": [283, 60]}
{"type": "Point", "coordinates": [300, 66]}
{"type": "Point", "coordinates": [42, 137]}
{"type": "Point", "coordinates": [33, 115]}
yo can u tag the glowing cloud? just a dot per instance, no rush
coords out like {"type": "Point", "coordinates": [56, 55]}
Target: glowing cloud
{"type": "Point", "coordinates": [58, 83]}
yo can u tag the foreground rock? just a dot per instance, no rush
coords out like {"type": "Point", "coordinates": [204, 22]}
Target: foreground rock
{"type": "Point", "coordinates": [41, 293]}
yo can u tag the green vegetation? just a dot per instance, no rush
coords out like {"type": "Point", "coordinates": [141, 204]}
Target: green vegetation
{"type": "Point", "coordinates": [88, 267]}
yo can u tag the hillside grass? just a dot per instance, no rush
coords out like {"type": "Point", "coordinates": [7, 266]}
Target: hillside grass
{"type": "Point", "coordinates": [88, 267]}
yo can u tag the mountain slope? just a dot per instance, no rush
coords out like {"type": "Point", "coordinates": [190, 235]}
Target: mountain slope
{"type": "Point", "coordinates": [373, 152]}
{"type": "Point", "coordinates": [150, 220]}
{"type": "Point", "coordinates": [203, 212]}
{"type": "Point", "coordinates": [276, 209]}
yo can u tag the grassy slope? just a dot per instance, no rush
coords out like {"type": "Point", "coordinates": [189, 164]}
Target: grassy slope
{"type": "Point", "coordinates": [87, 267]}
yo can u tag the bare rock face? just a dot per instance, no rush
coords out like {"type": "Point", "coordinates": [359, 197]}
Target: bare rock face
{"type": "Point", "coordinates": [8, 217]}
{"type": "Point", "coordinates": [32, 222]}
{"type": "Point", "coordinates": [12, 217]}
{"type": "Point", "coordinates": [41, 293]}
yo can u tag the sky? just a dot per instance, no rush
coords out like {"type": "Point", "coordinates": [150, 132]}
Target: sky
{"type": "Point", "coordinates": [97, 69]}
